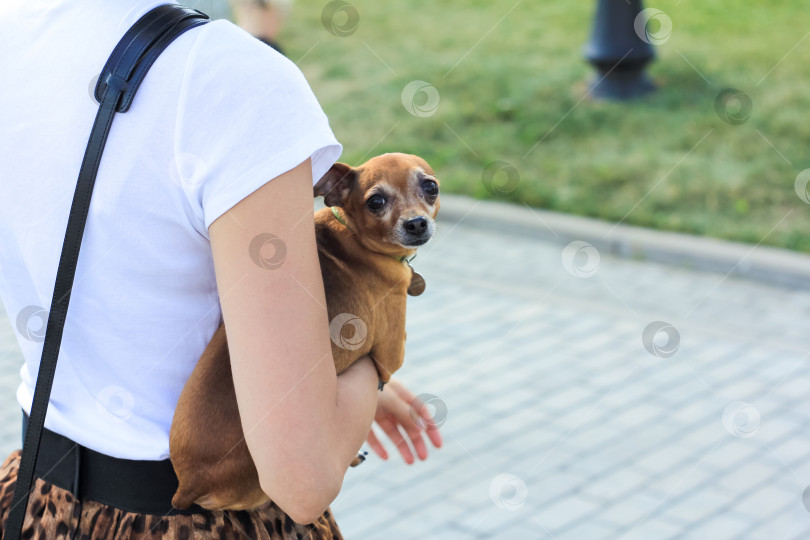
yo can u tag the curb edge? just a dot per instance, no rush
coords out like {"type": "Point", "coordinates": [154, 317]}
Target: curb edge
{"type": "Point", "coordinates": [774, 266]}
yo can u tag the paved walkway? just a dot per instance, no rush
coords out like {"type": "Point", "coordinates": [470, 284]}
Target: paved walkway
{"type": "Point", "coordinates": [569, 412]}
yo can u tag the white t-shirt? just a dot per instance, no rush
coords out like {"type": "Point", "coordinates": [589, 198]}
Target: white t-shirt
{"type": "Point", "coordinates": [219, 115]}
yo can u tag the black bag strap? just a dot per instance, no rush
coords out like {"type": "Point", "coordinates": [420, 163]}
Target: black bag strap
{"type": "Point", "coordinates": [117, 84]}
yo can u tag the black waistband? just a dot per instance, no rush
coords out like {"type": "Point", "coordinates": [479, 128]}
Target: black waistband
{"type": "Point", "coordinates": [144, 487]}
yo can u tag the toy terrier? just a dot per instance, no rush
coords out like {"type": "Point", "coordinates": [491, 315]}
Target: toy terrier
{"type": "Point", "coordinates": [376, 216]}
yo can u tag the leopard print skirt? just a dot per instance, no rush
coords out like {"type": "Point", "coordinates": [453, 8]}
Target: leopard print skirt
{"type": "Point", "coordinates": [53, 512]}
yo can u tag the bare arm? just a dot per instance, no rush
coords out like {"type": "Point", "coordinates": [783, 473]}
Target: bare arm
{"type": "Point", "coordinates": [303, 424]}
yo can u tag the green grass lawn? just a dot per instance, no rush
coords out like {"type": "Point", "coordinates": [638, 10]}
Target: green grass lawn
{"type": "Point", "coordinates": [510, 75]}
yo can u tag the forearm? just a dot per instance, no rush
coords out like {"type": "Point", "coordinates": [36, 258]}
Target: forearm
{"type": "Point", "coordinates": [302, 423]}
{"type": "Point", "coordinates": [356, 403]}
{"type": "Point", "coordinates": [319, 451]}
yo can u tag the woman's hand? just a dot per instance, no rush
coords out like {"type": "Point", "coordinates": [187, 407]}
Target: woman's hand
{"type": "Point", "coordinates": [399, 410]}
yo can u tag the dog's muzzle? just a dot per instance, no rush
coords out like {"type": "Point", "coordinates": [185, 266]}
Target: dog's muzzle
{"type": "Point", "coordinates": [416, 231]}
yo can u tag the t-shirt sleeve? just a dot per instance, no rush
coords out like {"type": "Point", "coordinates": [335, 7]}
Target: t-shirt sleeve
{"type": "Point", "coordinates": [245, 115]}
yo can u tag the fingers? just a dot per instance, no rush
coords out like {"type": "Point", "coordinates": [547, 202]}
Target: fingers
{"type": "Point", "coordinates": [422, 412]}
{"type": "Point", "coordinates": [390, 429]}
{"type": "Point", "coordinates": [401, 409]}
{"type": "Point", "coordinates": [418, 443]}
{"type": "Point", "coordinates": [435, 436]}
{"type": "Point", "coordinates": [402, 391]}
{"type": "Point", "coordinates": [376, 445]}
{"type": "Point", "coordinates": [408, 420]}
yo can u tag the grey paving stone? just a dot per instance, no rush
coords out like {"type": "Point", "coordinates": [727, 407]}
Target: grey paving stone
{"type": "Point", "coordinates": [615, 485]}
{"type": "Point", "coordinates": [785, 524]}
{"type": "Point", "coordinates": [773, 428]}
{"type": "Point", "coordinates": [365, 524]}
{"type": "Point", "coordinates": [575, 397]}
{"type": "Point", "coordinates": [729, 458]}
{"type": "Point", "coordinates": [10, 361]}
{"type": "Point", "coordinates": [767, 502]}
{"type": "Point", "coordinates": [791, 388]}
{"type": "Point", "coordinates": [357, 492]}
{"type": "Point", "coordinates": [566, 512]}
{"type": "Point", "coordinates": [697, 505]}
{"type": "Point", "coordinates": [545, 377]}
{"type": "Point", "coordinates": [654, 528]}
{"type": "Point", "coordinates": [800, 533]}
{"type": "Point", "coordinates": [665, 459]}
{"type": "Point", "coordinates": [632, 510]}
{"type": "Point", "coordinates": [744, 476]}
{"type": "Point", "coordinates": [679, 481]}
{"type": "Point", "coordinates": [425, 517]}
{"type": "Point", "coordinates": [410, 530]}
{"type": "Point", "coordinates": [721, 527]}
{"type": "Point", "coordinates": [795, 448]}
{"type": "Point", "coordinates": [602, 462]}
{"type": "Point", "coordinates": [585, 437]}
{"type": "Point", "coordinates": [709, 434]}
{"type": "Point", "coordinates": [547, 489]}
{"type": "Point", "coordinates": [592, 530]}
{"type": "Point", "coordinates": [489, 521]}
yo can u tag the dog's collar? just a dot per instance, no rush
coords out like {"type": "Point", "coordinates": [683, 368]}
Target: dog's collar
{"type": "Point", "coordinates": [403, 259]}
{"type": "Point", "coordinates": [337, 216]}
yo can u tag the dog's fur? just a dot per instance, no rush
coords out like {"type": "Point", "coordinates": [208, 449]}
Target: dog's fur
{"type": "Point", "coordinates": [363, 276]}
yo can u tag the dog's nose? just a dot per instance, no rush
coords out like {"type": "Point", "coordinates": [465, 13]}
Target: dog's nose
{"type": "Point", "coordinates": [416, 226]}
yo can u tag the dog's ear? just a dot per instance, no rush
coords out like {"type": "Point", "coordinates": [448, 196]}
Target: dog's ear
{"type": "Point", "coordinates": [336, 184]}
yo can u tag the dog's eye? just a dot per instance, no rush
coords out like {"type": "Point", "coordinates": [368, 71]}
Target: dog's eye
{"type": "Point", "coordinates": [375, 202]}
{"type": "Point", "coordinates": [430, 188]}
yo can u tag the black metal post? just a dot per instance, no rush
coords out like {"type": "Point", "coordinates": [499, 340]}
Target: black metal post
{"type": "Point", "coordinates": [618, 52]}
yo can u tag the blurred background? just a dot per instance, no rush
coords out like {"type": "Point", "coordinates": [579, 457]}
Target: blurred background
{"type": "Point", "coordinates": [614, 336]}
{"type": "Point", "coordinates": [511, 79]}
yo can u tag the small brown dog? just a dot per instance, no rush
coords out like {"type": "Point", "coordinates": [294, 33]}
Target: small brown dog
{"type": "Point", "coordinates": [376, 216]}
